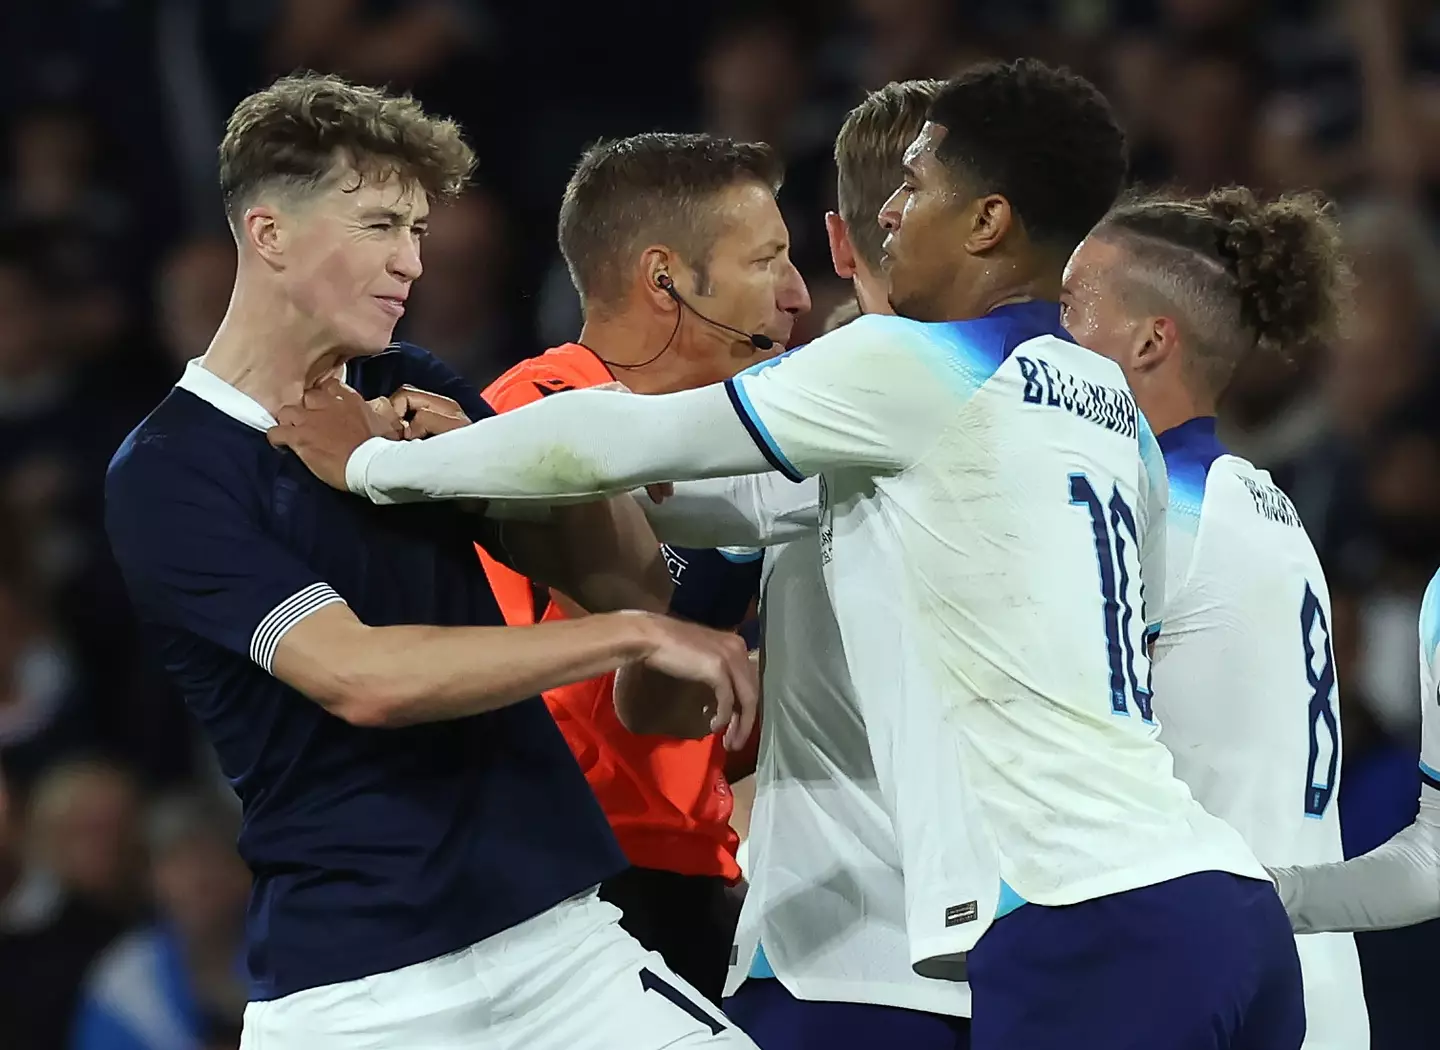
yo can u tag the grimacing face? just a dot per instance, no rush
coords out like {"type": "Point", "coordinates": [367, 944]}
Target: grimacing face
{"type": "Point", "coordinates": [350, 256]}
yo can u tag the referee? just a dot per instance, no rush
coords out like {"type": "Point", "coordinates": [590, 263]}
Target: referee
{"type": "Point", "coordinates": [425, 850]}
{"type": "Point", "coordinates": [678, 250]}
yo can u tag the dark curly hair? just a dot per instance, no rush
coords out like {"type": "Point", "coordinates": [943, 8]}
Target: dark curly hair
{"type": "Point", "coordinates": [1043, 138]}
{"type": "Point", "coordinates": [1242, 272]}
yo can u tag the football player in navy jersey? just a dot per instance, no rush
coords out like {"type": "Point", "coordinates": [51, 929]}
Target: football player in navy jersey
{"type": "Point", "coordinates": [425, 848]}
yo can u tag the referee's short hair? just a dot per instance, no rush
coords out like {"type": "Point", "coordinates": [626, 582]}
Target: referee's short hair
{"type": "Point", "coordinates": [654, 188]}
{"type": "Point", "coordinates": [1043, 138]}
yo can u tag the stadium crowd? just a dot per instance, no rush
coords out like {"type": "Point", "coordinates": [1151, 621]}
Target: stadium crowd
{"type": "Point", "coordinates": [115, 267]}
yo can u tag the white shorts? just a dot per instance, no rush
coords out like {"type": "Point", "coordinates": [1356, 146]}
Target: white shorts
{"type": "Point", "coordinates": [569, 979]}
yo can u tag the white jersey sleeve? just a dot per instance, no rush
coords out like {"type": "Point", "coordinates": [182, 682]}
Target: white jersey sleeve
{"type": "Point", "coordinates": [865, 395]}
{"type": "Point", "coordinates": [1398, 883]}
{"type": "Point", "coordinates": [757, 510]}
{"type": "Point", "coordinates": [572, 446]}
{"type": "Point", "coordinates": [821, 816]}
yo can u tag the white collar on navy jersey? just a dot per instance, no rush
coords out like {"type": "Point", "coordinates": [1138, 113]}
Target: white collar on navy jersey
{"type": "Point", "coordinates": [217, 393]}
{"type": "Point", "coordinates": [213, 390]}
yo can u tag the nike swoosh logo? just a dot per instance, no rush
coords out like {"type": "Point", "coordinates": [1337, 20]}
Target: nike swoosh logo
{"type": "Point", "coordinates": [546, 391]}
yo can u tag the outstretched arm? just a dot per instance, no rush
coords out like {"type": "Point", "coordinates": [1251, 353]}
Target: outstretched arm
{"type": "Point", "coordinates": [197, 558]}
{"type": "Point", "coordinates": [574, 445]}
{"type": "Point", "coordinates": [1396, 884]}
{"type": "Point", "coordinates": [757, 510]}
{"type": "Point", "coordinates": [871, 397]}
{"type": "Point", "coordinates": [403, 675]}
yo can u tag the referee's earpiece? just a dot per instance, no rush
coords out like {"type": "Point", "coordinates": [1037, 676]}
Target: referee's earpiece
{"type": "Point", "coordinates": [757, 340]}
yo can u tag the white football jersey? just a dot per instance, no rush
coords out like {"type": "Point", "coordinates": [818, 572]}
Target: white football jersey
{"type": "Point", "coordinates": [984, 543]}
{"type": "Point", "coordinates": [826, 895]}
{"type": "Point", "coordinates": [1245, 688]}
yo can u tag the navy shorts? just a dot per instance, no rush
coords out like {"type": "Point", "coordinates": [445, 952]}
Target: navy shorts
{"type": "Point", "coordinates": [1204, 962]}
{"type": "Point", "coordinates": [776, 1020]}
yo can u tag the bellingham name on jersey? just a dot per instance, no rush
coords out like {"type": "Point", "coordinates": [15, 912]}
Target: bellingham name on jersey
{"type": "Point", "coordinates": [1107, 406]}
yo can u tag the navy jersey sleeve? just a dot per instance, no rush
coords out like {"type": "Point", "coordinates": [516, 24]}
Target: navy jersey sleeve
{"type": "Point", "coordinates": [196, 559]}
{"type": "Point", "coordinates": [712, 587]}
{"type": "Point", "coordinates": [425, 371]}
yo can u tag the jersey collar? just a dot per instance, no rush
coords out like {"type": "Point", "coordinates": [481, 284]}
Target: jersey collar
{"type": "Point", "coordinates": [1033, 317]}
{"type": "Point", "coordinates": [217, 393]}
{"type": "Point", "coordinates": [1193, 434]}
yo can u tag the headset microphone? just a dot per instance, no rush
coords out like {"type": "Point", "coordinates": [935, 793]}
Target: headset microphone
{"type": "Point", "coordinates": [758, 341]}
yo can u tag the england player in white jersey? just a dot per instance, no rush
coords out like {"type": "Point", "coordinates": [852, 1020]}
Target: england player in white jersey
{"type": "Point", "coordinates": [822, 957]}
{"type": "Point", "coordinates": [1177, 292]}
{"type": "Point", "coordinates": [991, 524]}
{"type": "Point", "coordinates": [1397, 883]}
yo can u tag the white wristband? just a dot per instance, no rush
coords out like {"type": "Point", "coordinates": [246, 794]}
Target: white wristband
{"type": "Point", "coordinates": [358, 465]}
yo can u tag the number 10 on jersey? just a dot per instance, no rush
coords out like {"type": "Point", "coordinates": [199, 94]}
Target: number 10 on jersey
{"type": "Point", "coordinates": [1113, 524]}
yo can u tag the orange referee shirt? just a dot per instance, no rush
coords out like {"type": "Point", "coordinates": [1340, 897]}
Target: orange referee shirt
{"type": "Point", "coordinates": [668, 800]}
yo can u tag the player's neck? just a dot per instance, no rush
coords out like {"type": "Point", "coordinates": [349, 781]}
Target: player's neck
{"type": "Point", "coordinates": [263, 350]}
{"type": "Point", "coordinates": [630, 352]}
{"type": "Point", "coordinates": [1166, 410]}
{"type": "Point", "coordinates": [1005, 285]}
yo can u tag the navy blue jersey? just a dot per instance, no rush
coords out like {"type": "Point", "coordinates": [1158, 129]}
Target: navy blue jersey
{"type": "Point", "coordinates": [372, 849]}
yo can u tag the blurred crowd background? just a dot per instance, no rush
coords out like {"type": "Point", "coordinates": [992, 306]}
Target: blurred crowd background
{"type": "Point", "coordinates": [120, 896]}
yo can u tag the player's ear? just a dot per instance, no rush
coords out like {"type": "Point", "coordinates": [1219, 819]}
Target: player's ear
{"type": "Point", "coordinates": [991, 219]}
{"type": "Point", "coordinates": [842, 252]}
{"type": "Point", "coordinates": [263, 230]}
{"type": "Point", "coordinates": [658, 266]}
{"type": "Point", "coordinates": [1157, 340]}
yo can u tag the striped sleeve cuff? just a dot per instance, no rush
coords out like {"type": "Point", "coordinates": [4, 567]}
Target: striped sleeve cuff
{"type": "Point", "coordinates": [756, 429]}
{"type": "Point", "coordinates": [284, 616]}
